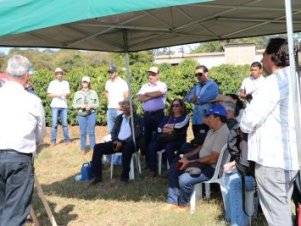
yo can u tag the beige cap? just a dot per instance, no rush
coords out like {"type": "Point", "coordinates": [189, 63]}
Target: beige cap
{"type": "Point", "coordinates": [86, 79]}
{"type": "Point", "coordinates": [154, 70]}
{"type": "Point", "coordinates": [58, 69]}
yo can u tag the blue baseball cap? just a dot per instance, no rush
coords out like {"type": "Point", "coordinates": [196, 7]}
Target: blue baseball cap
{"type": "Point", "coordinates": [217, 109]}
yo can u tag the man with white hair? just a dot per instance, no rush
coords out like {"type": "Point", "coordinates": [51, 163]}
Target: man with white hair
{"type": "Point", "coordinates": [22, 129]}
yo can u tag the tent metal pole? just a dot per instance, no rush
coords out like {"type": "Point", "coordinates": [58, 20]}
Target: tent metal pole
{"type": "Point", "coordinates": [127, 65]}
{"type": "Point", "coordinates": [294, 77]}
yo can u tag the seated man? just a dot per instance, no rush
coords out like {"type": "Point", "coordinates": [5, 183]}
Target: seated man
{"type": "Point", "coordinates": [182, 180]}
{"type": "Point", "coordinates": [122, 141]}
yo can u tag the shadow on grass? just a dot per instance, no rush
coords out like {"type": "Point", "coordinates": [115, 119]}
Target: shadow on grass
{"type": "Point", "coordinates": [140, 189]}
{"type": "Point", "coordinates": [62, 217]}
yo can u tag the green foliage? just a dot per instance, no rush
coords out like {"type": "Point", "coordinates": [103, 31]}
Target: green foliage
{"type": "Point", "coordinates": [209, 47]}
{"type": "Point", "coordinates": [229, 77]}
{"type": "Point", "coordinates": [179, 79]}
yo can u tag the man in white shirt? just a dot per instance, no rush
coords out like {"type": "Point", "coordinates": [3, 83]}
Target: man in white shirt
{"type": "Point", "coordinates": [59, 90]}
{"type": "Point", "coordinates": [116, 90]}
{"type": "Point", "coordinates": [269, 120]}
{"type": "Point", "coordinates": [22, 129]}
{"type": "Point", "coordinates": [253, 82]}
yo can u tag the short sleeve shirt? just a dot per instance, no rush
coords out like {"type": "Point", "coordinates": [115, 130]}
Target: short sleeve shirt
{"type": "Point", "coordinates": [214, 141]}
{"type": "Point", "coordinates": [58, 87]}
{"type": "Point", "coordinates": [154, 104]}
{"type": "Point", "coordinates": [250, 84]}
{"type": "Point", "coordinates": [115, 89]}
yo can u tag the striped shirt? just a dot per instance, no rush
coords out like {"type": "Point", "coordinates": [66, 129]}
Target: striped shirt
{"type": "Point", "coordinates": [270, 122]}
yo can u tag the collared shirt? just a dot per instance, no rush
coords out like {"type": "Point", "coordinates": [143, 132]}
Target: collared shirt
{"type": "Point", "coordinates": [205, 93]}
{"type": "Point", "coordinates": [154, 104]}
{"type": "Point", "coordinates": [250, 84]}
{"type": "Point", "coordinates": [125, 129]}
{"type": "Point", "coordinates": [58, 87]}
{"type": "Point", "coordinates": [214, 141]}
{"type": "Point", "coordinates": [116, 89]}
{"type": "Point", "coordinates": [21, 118]}
{"type": "Point", "coordinates": [269, 120]}
{"type": "Point", "coordinates": [82, 97]}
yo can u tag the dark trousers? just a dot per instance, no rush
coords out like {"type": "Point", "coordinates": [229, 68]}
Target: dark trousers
{"type": "Point", "coordinates": [151, 121]}
{"type": "Point", "coordinates": [16, 187]}
{"type": "Point", "coordinates": [106, 148]}
{"type": "Point", "coordinates": [169, 147]}
{"type": "Point", "coordinates": [195, 129]}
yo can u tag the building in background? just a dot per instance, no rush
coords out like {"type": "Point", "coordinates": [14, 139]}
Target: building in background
{"type": "Point", "coordinates": [236, 54]}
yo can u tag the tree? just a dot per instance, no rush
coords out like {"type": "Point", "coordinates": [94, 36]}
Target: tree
{"type": "Point", "coordinates": [68, 59]}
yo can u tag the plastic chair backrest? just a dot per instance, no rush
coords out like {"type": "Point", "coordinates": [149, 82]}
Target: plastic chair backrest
{"type": "Point", "coordinates": [222, 158]}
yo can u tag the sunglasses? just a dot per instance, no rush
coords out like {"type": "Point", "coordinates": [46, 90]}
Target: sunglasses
{"type": "Point", "coordinates": [199, 74]}
{"type": "Point", "coordinates": [125, 106]}
{"type": "Point", "coordinates": [176, 105]}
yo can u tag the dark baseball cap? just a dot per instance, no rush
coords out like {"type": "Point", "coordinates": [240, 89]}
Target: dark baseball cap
{"type": "Point", "coordinates": [112, 69]}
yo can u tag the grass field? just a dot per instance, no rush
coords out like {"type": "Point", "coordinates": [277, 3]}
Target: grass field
{"type": "Point", "coordinates": [141, 202]}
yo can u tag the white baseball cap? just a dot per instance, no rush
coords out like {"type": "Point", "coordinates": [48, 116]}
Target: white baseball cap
{"type": "Point", "coordinates": [154, 70]}
{"type": "Point", "coordinates": [86, 79]}
{"type": "Point", "coordinates": [58, 69]}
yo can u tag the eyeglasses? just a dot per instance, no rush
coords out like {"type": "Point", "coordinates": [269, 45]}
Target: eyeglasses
{"type": "Point", "coordinates": [176, 105]}
{"type": "Point", "coordinates": [199, 74]}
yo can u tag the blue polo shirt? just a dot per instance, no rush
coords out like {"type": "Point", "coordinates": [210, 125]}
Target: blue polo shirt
{"type": "Point", "coordinates": [205, 93]}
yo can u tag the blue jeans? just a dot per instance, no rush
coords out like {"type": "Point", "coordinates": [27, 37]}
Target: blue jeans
{"type": "Point", "coordinates": [180, 184]}
{"type": "Point", "coordinates": [63, 115]}
{"type": "Point", "coordinates": [112, 113]}
{"type": "Point", "coordinates": [87, 125]}
{"type": "Point", "coordinates": [233, 198]}
{"type": "Point", "coordinates": [16, 187]}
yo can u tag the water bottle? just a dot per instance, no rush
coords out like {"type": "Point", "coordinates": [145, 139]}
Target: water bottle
{"type": "Point", "coordinates": [78, 177]}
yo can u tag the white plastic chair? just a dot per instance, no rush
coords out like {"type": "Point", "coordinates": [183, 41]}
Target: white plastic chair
{"type": "Point", "coordinates": [160, 153]}
{"type": "Point", "coordinates": [132, 170]}
{"type": "Point", "coordinates": [217, 177]}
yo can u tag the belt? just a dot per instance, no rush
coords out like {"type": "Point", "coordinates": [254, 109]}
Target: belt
{"type": "Point", "coordinates": [153, 112]}
{"type": "Point", "coordinates": [16, 152]}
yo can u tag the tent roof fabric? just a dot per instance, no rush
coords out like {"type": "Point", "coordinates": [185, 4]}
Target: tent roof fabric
{"type": "Point", "coordinates": [101, 25]}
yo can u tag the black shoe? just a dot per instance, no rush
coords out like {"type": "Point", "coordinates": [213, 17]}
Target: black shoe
{"type": "Point", "coordinates": [96, 181]}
